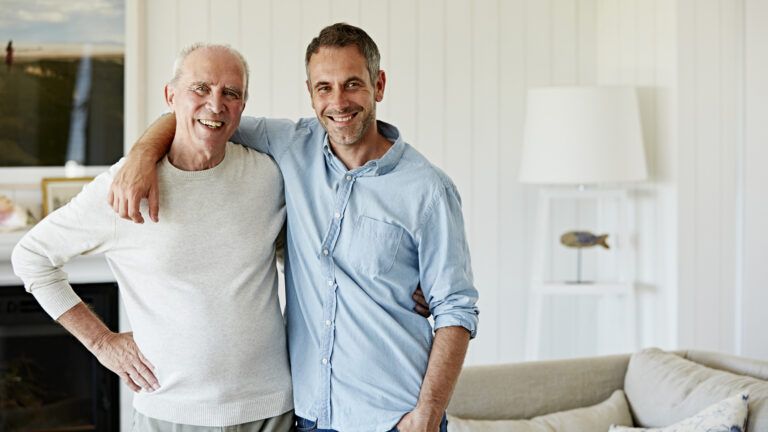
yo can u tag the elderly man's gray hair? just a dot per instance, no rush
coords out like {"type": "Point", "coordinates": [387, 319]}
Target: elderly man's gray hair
{"type": "Point", "coordinates": [179, 62]}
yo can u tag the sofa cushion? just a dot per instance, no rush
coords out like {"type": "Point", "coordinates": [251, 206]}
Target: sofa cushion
{"type": "Point", "coordinates": [598, 417]}
{"type": "Point", "coordinates": [729, 415]}
{"type": "Point", "coordinates": [526, 390]}
{"type": "Point", "coordinates": [738, 365]}
{"type": "Point", "coordinates": [663, 389]}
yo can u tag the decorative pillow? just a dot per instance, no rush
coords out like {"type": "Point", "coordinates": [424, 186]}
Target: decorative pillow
{"type": "Point", "coordinates": [729, 415]}
{"type": "Point", "coordinates": [663, 388]}
{"type": "Point", "coordinates": [613, 410]}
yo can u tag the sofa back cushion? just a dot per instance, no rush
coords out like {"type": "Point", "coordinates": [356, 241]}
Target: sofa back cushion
{"type": "Point", "coordinates": [731, 363]}
{"type": "Point", "coordinates": [525, 390]}
{"type": "Point", "coordinates": [663, 388]}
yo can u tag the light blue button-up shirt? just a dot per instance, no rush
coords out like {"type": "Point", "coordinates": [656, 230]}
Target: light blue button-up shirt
{"type": "Point", "coordinates": [358, 244]}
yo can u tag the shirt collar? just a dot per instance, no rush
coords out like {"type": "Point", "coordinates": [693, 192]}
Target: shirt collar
{"type": "Point", "coordinates": [375, 167]}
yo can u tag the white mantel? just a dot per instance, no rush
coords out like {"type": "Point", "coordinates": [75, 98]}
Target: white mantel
{"type": "Point", "coordinates": [84, 269]}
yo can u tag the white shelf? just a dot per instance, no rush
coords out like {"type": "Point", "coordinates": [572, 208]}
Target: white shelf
{"type": "Point", "coordinates": [83, 269]}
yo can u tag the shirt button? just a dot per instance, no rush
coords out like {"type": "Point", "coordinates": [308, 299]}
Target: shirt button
{"type": "Point", "coordinates": [330, 283]}
{"type": "Point", "coordinates": [325, 252]}
{"type": "Point", "coordinates": [349, 177]}
{"type": "Point", "coordinates": [327, 323]}
{"type": "Point", "coordinates": [325, 361]}
{"type": "Point", "coordinates": [337, 215]}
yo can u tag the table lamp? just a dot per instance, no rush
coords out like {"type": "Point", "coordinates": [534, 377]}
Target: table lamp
{"type": "Point", "coordinates": [582, 136]}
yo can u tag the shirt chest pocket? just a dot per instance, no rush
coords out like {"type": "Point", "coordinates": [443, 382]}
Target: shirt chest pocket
{"type": "Point", "coordinates": [374, 245]}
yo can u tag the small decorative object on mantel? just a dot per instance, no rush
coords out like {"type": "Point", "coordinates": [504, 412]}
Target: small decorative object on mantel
{"type": "Point", "coordinates": [12, 216]}
{"type": "Point", "coordinates": [582, 239]}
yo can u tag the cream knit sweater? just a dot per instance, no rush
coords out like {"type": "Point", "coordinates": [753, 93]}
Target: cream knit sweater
{"type": "Point", "coordinates": [200, 286]}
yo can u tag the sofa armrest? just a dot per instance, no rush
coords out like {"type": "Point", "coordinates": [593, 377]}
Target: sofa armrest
{"type": "Point", "coordinates": [525, 390]}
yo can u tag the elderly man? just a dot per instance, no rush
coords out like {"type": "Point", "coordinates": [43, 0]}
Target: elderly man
{"type": "Point", "coordinates": [369, 219]}
{"type": "Point", "coordinates": [200, 288]}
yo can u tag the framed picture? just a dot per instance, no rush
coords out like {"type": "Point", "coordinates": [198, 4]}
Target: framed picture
{"type": "Point", "coordinates": [62, 82]}
{"type": "Point", "coordinates": [59, 191]}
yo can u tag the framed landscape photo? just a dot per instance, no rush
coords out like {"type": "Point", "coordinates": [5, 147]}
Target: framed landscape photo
{"type": "Point", "coordinates": [62, 82]}
{"type": "Point", "coordinates": [57, 192]}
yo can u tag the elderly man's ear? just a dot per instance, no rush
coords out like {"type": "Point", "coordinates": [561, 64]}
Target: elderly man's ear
{"type": "Point", "coordinates": [169, 94]}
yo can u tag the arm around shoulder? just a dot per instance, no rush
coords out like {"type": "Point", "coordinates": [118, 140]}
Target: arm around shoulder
{"type": "Point", "coordinates": [270, 136]}
{"type": "Point", "coordinates": [137, 179]}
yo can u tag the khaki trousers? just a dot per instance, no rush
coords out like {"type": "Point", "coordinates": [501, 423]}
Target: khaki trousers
{"type": "Point", "coordinates": [281, 423]}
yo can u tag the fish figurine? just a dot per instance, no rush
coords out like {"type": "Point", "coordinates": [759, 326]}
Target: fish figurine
{"type": "Point", "coordinates": [582, 239]}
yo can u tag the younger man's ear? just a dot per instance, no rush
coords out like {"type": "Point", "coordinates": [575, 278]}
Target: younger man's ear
{"type": "Point", "coordinates": [381, 82]}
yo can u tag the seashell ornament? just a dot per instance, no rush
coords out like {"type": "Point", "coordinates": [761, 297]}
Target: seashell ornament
{"type": "Point", "coordinates": [12, 216]}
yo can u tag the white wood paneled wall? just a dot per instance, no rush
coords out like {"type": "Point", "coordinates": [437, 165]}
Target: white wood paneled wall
{"type": "Point", "coordinates": [752, 339]}
{"type": "Point", "coordinates": [687, 59]}
{"type": "Point", "coordinates": [711, 68]}
{"type": "Point", "coordinates": [458, 71]}
{"type": "Point", "coordinates": [637, 47]}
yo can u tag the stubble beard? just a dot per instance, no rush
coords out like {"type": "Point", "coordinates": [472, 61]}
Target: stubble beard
{"type": "Point", "coordinates": [342, 139]}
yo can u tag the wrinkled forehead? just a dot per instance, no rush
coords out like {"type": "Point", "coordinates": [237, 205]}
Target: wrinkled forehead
{"type": "Point", "coordinates": [216, 66]}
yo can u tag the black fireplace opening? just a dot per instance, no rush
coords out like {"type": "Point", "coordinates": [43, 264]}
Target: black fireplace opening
{"type": "Point", "coordinates": [48, 380]}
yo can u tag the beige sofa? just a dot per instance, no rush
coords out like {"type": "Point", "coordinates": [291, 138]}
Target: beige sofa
{"type": "Point", "coordinates": [661, 387]}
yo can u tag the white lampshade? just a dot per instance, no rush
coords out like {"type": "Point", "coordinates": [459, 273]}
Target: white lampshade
{"type": "Point", "coordinates": [582, 135]}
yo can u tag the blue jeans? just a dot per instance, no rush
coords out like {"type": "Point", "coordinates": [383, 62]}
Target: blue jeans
{"type": "Point", "coordinates": [304, 425]}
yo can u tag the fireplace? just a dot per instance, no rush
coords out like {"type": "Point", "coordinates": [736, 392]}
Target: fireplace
{"type": "Point", "coordinates": [48, 380]}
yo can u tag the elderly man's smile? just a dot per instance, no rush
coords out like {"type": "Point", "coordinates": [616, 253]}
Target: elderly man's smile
{"type": "Point", "coordinates": [211, 124]}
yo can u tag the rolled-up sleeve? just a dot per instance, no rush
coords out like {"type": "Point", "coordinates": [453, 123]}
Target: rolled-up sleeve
{"type": "Point", "coordinates": [83, 226]}
{"type": "Point", "coordinates": [444, 263]}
